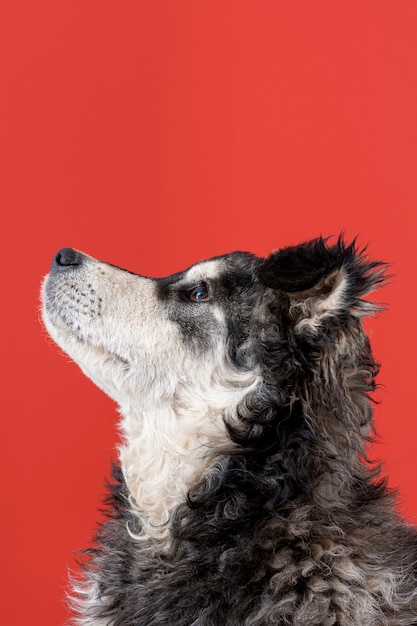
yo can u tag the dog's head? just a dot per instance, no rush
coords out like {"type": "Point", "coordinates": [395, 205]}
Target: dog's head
{"type": "Point", "coordinates": [229, 320]}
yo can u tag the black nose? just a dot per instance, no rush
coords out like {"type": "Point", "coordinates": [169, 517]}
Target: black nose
{"type": "Point", "coordinates": [66, 258]}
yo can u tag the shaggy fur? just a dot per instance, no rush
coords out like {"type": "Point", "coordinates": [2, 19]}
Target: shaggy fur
{"type": "Point", "coordinates": [243, 495]}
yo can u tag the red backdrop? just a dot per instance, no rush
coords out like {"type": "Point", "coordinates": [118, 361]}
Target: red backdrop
{"type": "Point", "coordinates": [154, 134]}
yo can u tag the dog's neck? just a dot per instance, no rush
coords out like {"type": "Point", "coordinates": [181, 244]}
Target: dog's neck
{"type": "Point", "coordinates": [163, 453]}
{"type": "Point", "coordinates": [169, 444]}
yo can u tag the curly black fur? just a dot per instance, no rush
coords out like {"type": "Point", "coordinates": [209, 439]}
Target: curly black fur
{"type": "Point", "coordinates": [289, 524]}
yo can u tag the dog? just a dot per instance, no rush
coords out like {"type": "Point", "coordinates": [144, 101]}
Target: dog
{"type": "Point", "coordinates": [243, 495]}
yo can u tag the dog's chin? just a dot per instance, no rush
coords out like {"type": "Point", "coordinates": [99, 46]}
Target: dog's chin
{"type": "Point", "coordinates": [90, 356]}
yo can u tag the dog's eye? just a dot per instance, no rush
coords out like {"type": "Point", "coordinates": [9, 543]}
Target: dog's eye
{"type": "Point", "coordinates": [199, 293]}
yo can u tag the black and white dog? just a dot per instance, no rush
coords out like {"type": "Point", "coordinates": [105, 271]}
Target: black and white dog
{"type": "Point", "coordinates": [243, 496]}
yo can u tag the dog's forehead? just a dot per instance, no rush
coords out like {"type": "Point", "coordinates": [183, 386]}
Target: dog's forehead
{"type": "Point", "coordinates": [235, 265]}
{"type": "Point", "coordinates": [205, 270]}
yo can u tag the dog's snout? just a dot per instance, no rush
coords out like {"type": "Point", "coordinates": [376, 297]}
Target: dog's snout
{"type": "Point", "coordinates": [66, 258]}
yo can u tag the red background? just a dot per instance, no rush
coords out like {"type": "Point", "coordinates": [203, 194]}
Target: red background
{"type": "Point", "coordinates": [154, 134]}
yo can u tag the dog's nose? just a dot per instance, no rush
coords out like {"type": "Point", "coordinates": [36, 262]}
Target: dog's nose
{"type": "Point", "coordinates": [66, 258]}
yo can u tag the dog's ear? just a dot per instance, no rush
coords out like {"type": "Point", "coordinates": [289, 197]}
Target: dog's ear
{"type": "Point", "coordinates": [323, 280]}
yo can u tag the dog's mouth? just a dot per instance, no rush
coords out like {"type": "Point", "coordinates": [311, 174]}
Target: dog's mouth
{"type": "Point", "coordinates": [106, 354]}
